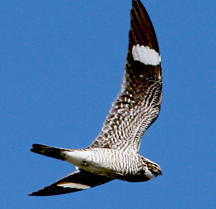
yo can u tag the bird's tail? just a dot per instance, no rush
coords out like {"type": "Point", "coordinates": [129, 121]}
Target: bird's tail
{"type": "Point", "coordinates": [48, 151]}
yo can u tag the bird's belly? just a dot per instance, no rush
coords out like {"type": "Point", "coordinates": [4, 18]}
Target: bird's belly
{"type": "Point", "coordinates": [103, 161]}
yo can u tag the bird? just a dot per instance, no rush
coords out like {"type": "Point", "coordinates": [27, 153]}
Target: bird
{"type": "Point", "coordinates": [114, 153]}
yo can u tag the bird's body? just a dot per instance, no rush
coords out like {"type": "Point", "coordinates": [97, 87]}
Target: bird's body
{"type": "Point", "coordinates": [114, 152]}
{"type": "Point", "coordinates": [118, 164]}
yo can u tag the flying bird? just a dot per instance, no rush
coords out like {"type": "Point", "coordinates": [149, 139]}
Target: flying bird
{"type": "Point", "coordinates": [114, 153]}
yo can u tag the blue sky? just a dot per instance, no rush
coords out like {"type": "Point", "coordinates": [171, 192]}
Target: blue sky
{"type": "Point", "coordinates": [61, 66]}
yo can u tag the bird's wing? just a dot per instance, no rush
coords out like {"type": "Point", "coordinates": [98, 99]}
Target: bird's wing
{"type": "Point", "coordinates": [74, 182]}
{"type": "Point", "coordinates": [138, 103]}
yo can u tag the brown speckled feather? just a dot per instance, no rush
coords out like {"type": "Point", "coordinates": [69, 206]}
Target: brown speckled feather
{"type": "Point", "coordinates": [138, 103]}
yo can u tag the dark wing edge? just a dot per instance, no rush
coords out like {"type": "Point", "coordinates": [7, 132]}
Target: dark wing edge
{"type": "Point", "coordinates": [138, 103]}
{"type": "Point", "coordinates": [74, 182]}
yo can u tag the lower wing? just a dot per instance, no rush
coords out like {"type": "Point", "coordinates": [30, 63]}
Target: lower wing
{"type": "Point", "coordinates": [76, 181]}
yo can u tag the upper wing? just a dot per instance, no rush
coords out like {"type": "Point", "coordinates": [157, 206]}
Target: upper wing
{"type": "Point", "coordinates": [138, 103]}
{"type": "Point", "coordinates": [74, 182]}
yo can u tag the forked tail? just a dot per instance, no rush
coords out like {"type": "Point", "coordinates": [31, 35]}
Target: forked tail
{"type": "Point", "coordinates": [48, 151]}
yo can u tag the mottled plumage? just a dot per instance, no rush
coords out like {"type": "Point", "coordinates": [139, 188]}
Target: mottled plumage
{"type": "Point", "coordinates": [114, 152]}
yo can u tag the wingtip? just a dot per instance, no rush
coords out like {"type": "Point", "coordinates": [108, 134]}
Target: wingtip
{"type": "Point", "coordinates": [33, 194]}
{"type": "Point", "coordinates": [40, 193]}
{"type": "Point", "coordinates": [134, 1]}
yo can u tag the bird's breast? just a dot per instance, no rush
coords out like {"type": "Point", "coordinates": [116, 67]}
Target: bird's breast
{"type": "Point", "coordinates": [104, 161]}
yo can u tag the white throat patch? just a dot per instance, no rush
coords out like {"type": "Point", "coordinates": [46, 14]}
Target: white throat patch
{"type": "Point", "coordinates": [146, 55]}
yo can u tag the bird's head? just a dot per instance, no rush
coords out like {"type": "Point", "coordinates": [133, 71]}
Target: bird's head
{"type": "Point", "coordinates": [151, 168]}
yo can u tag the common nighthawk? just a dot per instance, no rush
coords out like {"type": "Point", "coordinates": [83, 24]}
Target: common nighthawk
{"type": "Point", "coordinates": [114, 152]}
